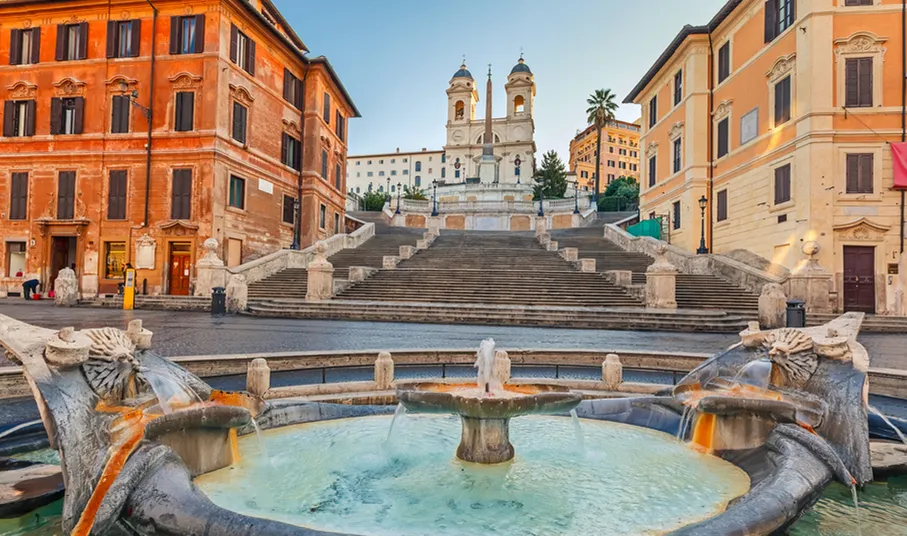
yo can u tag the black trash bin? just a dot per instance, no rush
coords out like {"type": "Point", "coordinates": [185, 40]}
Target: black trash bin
{"type": "Point", "coordinates": [218, 301]}
{"type": "Point", "coordinates": [796, 314]}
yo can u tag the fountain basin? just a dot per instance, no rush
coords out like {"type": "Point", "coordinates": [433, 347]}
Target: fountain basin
{"type": "Point", "coordinates": [485, 417]}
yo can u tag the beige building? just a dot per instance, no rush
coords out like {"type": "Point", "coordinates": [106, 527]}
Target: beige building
{"type": "Point", "coordinates": [383, 172]}
{"type": "Point", "coordinates": [620, 154]}
{"type": "Point", "coordinates": [779, 114]}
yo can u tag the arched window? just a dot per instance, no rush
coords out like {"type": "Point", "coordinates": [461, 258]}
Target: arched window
{"type": "Point", "coordinates": [418, 181]}
{"type": "Point", "coordinates": [519, 104]}
{"type": "Point", "coordinates": [457, 174]}
{"type": "Point", "coordinates": [418, 166]}
{"type": "Point", "coordinates": [443, 172]}
{"type": "Point", "coordinates": [459, 110]}
{"type": "Point", "coordinates": [357, 189]}
{"type": "Point", "coordinates": [516, 171]}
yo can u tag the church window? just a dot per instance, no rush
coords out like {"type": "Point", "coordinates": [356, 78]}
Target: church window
{"type": "Point", "coordinates": [457, 174]}
{"type": "Point", "coordinates": [519, 104]}
{"type": "Point", "coordinates": [459, 110]}
{"type": "Point", "coordinates": [443, 173]}
{"type": "Point", "coordinates": [516, 171]}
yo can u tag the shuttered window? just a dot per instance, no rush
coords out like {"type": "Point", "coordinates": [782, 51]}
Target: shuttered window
{"type": "Point", "coordinates": [724, 62]}
{"type": "Point", "coordinates": [185, 111]}
{"type": "Point", "coordinates": [187, 34]}
{"type": "Point", "coordinates": [652, 166]}
{"type": "Point", "coordinates": [678, 87]}
{"type": "Point", "coordinates": [859, 173]}
{"type": "Point", "coordinates": [123, 38]}
{"type": "Point", "coordinates": [337, 176]}
{"type": "Point", "coordinates": [181, 196]}
{"type": "Point", "coordinates": [779, 16]}
{"type": "Point", "coordinates": [722, 205]}
{"type": "Point", "coordinates": [66, 194]}
{"type": "Point", "coordinates": [324, 164]}
{"type": "Point", "coordinates": [782, 101]}
{"type": "Point", "coordinates": [676, 210]}
{"type": "Point", "coordinates": [242, 50]}
{"type": "Point", "coordinates": [850, 3]}
{"type": "Point", "coordinates": [240, 114]}
{"type": "Point", "coordinates": [237, 192]}
{"type": "Point", "coordinates": [18, 199]}
{"type": "Point", "coordinates": [116, 195]}
{"type": "Point", "coordinates": [19, 118]}
{"type": "Point", "coordinates": [72, 42]}
{"type": "Point", "coordinates": [289, 152]}
{"type": "Point", "coordinates": [289, 209]}
{"type": "Point", "coordinates": [24, 46]}
{"type": "Point", "coordinates": [653, 111]}
{"type": "Point", "coordinates": [678, 149]}
{"type": "Point", "coordinates": [340, 126]}
{"type": "Point", "coordinates": [292, 89]}
{"type": "Point", "coordinates": [858, 82]}
{"type": "Point", "coordinates": [67, 115]}
{"type": "Point", "coordinates": [723, 137]}
{"type": "Point", "coordinates": [782, 184]}
{"type": "Point", "coordinates": [322, 216]}
{"type": "Point", "coordinates": [119, 121]}
{"type": "Point", "coordinates": [326, 109]}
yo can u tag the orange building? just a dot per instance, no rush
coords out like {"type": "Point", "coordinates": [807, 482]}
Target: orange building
{"type": "Point", "coordinates": [620, 154]}
{"type": "Point", "coordinates": [133, 131]}
{"type": "Point", "coordinates": [779, 113]}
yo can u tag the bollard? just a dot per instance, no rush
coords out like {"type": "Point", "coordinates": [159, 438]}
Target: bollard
{"type": "Point", "coordinates": [612, 371]}
{"type": "Point", "coordinates": [384, 371]}
{"type": "Point", "coordinates": [258, 377]}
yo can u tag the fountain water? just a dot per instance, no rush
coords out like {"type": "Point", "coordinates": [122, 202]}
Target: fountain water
{"type": "Point", "coordinates": [18, 427]}
{"type": "Point", "coordinates": [401, 410]}
{"type": "Point", "coordinates": [887, 421]}
{"type": "Point", "coordinates": [578, 432]}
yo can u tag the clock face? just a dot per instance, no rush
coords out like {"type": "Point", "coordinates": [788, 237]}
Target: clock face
{"type": "Point", "coordinates": [457, 165]}
{"type": "Point", "coordinates": [517, 162]}
{"type": "Point", "coordinates": [457, 135]}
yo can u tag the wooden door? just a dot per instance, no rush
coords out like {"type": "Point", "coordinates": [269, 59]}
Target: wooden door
{"type": "Point", "coordinates": [180, 265]}
{"type": "Point", "coordinates": [859, 279]}
{"type": "Point", "coordinates": [62, 255]}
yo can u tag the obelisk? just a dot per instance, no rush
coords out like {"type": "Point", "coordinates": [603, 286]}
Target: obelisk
{"type": "Point", "coordinates": [488, 167]}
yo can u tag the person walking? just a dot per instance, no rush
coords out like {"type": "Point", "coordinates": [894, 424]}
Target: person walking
{"type": "Point", "coordinates": [30, 285]}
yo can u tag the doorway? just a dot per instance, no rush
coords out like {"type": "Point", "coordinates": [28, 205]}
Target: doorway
{"type": "Point", "coordinates": [62, 255]}
{"type": "Point", "coordinates": [180, 268]}
{"type": "Point", "coordinates": [859, 279]}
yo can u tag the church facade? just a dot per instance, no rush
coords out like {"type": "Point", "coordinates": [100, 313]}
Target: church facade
{"type": "Point", "coordinates": [513, 135]}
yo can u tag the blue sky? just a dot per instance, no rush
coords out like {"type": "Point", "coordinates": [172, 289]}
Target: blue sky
{"type": "Point", "coordinates": [396, 57]}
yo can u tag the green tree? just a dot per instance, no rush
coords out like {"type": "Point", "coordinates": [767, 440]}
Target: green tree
{"type": "Point", "coordinates": [415, 193]}
{"type": "Point", "coordinates": [373, 201]}
{"type": "Point", "coordinates": [621, 195]}
{"type": "Point", "coordinates": [599, 113]}
{"type": "Point", "coordinates": [551, 177]}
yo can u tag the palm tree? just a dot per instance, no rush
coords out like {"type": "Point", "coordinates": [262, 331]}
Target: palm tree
{"type": "Point", "coordinates": [600, 112]}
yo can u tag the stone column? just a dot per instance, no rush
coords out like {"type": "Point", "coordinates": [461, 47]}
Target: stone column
{"type": "Point", "coordinates": [434, 225]}
{"type": "Point", "coordinates": [612, 372]}
{"type": "Point", "coordinates": [384, 371]}
{"type": "Point", "coordinates": [772, 307]}
{"type": "Point", "coordinates": [810, 282]}
{"type": "Point", "coordinates": [258, 378]}
{"type": "Point", "coordinates": [237, 294]}
{"type": "Point", "coordinates": [209, 271]}
{"type": "Point", "coordinates": [501, 369]}
{"type": "Point", "coordinates": [66, 288]}
{"type": "Point", "coordinates": [661, 282]}
{"type": "Point", "coordinates": [320, 277]}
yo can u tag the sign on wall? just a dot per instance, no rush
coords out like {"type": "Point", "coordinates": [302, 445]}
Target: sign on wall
{"type": "Point", "coordinates": [749, 126]}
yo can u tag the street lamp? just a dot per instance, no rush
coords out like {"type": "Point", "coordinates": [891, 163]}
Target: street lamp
{"type": "Point", "coordinates": [295, 244]}
{"type": "Point", "coordinates": [703, 202]}
{"type": "Point", "coordinates": [388, 191]}
{"type": "Point", "coordinates": [398, 199]}
{"type": "Point", "coordinates": [434, 198]}
{"type": "Point", "coordinates": [542, 200]}
{"type": "Point", "coordinates": [576, 197]}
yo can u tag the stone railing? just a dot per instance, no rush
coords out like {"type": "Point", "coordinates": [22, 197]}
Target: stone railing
{"type": "Point", "coordinates": [736, 272]}
{"type": "Point", "coordinates": [489, 206]}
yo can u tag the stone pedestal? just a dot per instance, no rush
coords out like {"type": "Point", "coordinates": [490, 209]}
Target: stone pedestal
{"type": "Point", "coordinates": [661, 282]}
{"type": "Point", "coordinates": [810, 282]}
{"type": "Point", "coordinates": [434, 225]}
{"type": "Point", "coordinates": [570, 254]}
{"type": "Point", "coordinates": [210, 271]}
{"type": "Point", "coordinates": [488, 170]}
{"type": "Point", "coordinates": [621, 278]}
{"type": "Point", "coordinates": [612, 371]}
{"type": "Point", "coordinates": [501, 370]}
{"type": "Point", "coordinates": [485, 440]}
{"type": "Point", "coordinates": [407, 252]}
{"type": "Point", "coordinates": [320, 277]}
{"type": "Point", "coordinates": [258, 378]}
{"type": "Point", "coordinates": [139, 336]}
{"type": "Point", "coordinates": [587, 265]}
{"type": "Point", "coordinates": [68, 349]}
{"type": "Point", "coordinates": [361, 273]}
{"type": "Point", "coordinates": [237, 294]}
{"type": "Point", "coordinates": [66, 288]}
{"type": "Point", "coordinates": [541, 225]}
{"type": "Point", "coordinates": [772, 307]}
{"type": "Point", "coordinates": [552, 245]}
{"type": "Point", "coordinates": [384, 371]}
{"type": "Point", "coordinates": [389, 262]}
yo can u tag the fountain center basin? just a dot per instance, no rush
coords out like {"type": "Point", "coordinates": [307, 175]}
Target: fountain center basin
{"type": "Point", "coordinates": [341, 476]}
{"type": "Point", "coordinates": [485, 414]}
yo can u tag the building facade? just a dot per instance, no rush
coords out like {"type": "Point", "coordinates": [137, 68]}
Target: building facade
{"type": "Point", "coordinates": [620, 154]}
{"type": "Point", "coordinates": [514, 145]}
{"type": "Point", "coordinates": [383, 172]}
{"type": "Point", "coordinates": [133, 131]}
{"type": "Point", "coordinates": [778, 113]}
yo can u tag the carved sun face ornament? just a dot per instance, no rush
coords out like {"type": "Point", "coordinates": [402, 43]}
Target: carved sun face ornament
{"type": "Point", "coordinates": [111, 368]}
{"type": "Point", "coordinates": [792, 351]}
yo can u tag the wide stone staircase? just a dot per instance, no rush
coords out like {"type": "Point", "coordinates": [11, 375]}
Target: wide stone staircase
{"type": "Point", "coordinates": [693, 291]}
{"type": "Point", "coordinates": [489, 268]}
{"type": "Point", "coordinates": [292, 283]}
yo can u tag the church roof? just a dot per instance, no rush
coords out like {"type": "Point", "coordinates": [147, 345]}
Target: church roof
{"type": "Point", "coordinates": [520, 67]}
{"type": "Point", "coordinates": [463, 72]}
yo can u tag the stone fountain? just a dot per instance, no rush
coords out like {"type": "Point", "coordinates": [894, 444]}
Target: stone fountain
{"type": "Point", "coordinates": [486, 407]}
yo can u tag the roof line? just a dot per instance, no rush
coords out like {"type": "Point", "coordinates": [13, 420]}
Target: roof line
{"type": "Point", "coordinates": [330, 69]}
{"type": "Point", "coordinates": [401, 153]}
{"type": "Point", "coordinates": [685, 32]}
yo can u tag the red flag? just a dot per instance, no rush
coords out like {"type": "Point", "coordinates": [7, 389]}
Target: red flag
{"type": "Point", "coordinates": [899, 155]}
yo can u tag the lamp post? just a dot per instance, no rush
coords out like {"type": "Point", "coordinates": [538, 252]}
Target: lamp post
{"type": "Point", "coordinates": [542, 200]}
{"type": "Point", "coordinates": [434, 198]}
{"type": "Point", "coordinates": [703, 202]}
{"type": "Point", "coordinates": [387, 192]}
{"type": "Point", "coordinates": [576, 197]}
{"type": "Point", "coordinates": [398, 199]}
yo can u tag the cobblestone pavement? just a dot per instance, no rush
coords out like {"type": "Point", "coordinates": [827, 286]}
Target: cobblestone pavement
{"type": "Point", "coordinates": [185, 333]}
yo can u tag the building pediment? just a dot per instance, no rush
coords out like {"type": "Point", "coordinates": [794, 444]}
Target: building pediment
{"type": "Point", "coordinates": [69, 87]}
{"type": "Point", "coordinates": [185, 80]}
{"type": "Point", "coordinates": [862, 41]}
{"type": "Point", "coordinates": [861, 229]}
{"type": "Point", "coordinates": [178, 227]}
{"type": "Point", "coordinates": [22, 90]}
{"type": "Point", "coordinates": [781, 67]}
